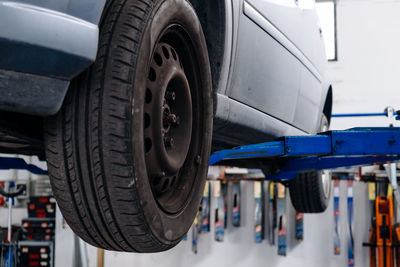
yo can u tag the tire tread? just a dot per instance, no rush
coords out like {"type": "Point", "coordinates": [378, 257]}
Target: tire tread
{"type": "Point", "coordinates": [76, 143]}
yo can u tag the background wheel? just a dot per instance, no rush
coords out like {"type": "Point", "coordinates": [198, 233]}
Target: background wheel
{"type": "Point", "coordinates": [310, 190]}
{"type": "Point", "coordinates": [128, 152]}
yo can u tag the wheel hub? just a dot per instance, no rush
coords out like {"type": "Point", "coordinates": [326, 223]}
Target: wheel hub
{"type": "Point", "coordinates": [326, 182]}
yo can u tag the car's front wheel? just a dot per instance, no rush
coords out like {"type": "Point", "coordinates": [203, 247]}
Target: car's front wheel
{"type": "Point", "coordinates": [128, 152]}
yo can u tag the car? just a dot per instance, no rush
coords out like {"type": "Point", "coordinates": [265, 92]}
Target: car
{"type": "Point", "coordinates": [126, 99]}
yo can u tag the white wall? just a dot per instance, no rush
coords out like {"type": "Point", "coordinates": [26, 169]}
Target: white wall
{"type": "Point", "coordinates": [367, 75]}
{"type": "Point", "coordinates": [366, 78]}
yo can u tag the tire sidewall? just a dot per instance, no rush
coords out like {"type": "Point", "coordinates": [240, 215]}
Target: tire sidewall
{"type": "Point", "coordinates": [169, 229]}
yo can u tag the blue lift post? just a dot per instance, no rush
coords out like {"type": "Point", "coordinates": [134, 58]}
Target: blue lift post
{"type": "Point", "coordinates": [327, 150]}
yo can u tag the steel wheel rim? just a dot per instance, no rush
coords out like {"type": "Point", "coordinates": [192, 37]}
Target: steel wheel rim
{"type": "Point", "coordinates": [326, 182]}
{"type": "Point", "coordinates": [170, 112]}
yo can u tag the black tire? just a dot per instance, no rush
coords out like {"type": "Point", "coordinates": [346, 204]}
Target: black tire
{"type": "Point", "coordinates": [307, 193]}
{"type": "Point", "coordinates": [119, 179]}
{"type": "Point", "coordinates": [310, 190]}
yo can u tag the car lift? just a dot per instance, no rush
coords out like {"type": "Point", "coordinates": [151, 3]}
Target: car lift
{"type": "Point", "coordinates": [327, 150]}
{"type": "Point", "coordinates": [333, 149]}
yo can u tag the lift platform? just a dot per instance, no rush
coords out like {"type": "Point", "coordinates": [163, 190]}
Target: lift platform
{"type": "Point", "coordinates": [327, 150]}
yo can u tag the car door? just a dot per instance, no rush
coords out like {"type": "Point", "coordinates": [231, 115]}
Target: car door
{"type": "Point", "coordinates": [312, 69]}
{"type": "Point", "coordinates": [266, 72]}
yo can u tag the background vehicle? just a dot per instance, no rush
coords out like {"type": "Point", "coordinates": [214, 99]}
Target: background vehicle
{"type": "Point", "coordinates": [127, 138]}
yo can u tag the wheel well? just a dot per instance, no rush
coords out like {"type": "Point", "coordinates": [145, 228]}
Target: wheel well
{"type": "Point", "coordinates": [328, 104]}
{"type": "Point", "coordinates": [212, 18]}
{"type": "Point", "coordinates": [21, 134]}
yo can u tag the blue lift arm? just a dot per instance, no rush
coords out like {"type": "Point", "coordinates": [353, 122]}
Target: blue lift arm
{"type": "Point", "coordinates": [328, 150]}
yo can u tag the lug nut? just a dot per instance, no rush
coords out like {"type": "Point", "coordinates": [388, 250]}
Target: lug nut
{"type": "Point", "coordinates": [169, 142]}
{"type": "Point", "coordinates": [172, 118]}
{"type": "Point", "coordinates": [170, 96]}
{"type": "Point", "coordinates": [198, 159]}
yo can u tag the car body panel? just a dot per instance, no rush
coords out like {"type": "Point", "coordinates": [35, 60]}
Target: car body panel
{"type": "Point", "coordinates": [245, 125]}
{"type": "Point", "coordinates": [86, 10]}
{"type": "Point", "coordinates": [265, 76]}
{"type": "Point", "coordinates": [42, 41]}
{"type": "Point", "coordinates": [47, 43]}
{"type": "Point", "coordinates": [20, 90]}
{"type": "Point", "coordinates": [271, 95]}
{"type": "Point", "coordinates": [284, 15]}
{"type": "Point", "coordinates": [229, 48]}
{"type": "Point", "coordinates": [312, 42]}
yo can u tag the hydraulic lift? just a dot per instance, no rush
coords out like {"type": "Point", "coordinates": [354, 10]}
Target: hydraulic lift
{"type": "Point", "coordinates": [333, 149]}
{"type": "Point", "coordinates": [327, 150]}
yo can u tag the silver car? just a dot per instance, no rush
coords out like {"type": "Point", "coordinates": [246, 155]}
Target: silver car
{"type": "Point", "coordinates": [126, 99]}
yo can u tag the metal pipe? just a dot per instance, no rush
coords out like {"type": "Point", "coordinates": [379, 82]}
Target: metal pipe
{"type": "Point", "coordinates": [10, 252]}
{"type": "Point", "coordinates": [393, 182]}
{"type": "Point", "coordinates": [360, 114]}
{"type": "Point", "coordinates": [100, 257]}
{"type": "Point", "coordinates": [83, 253]}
